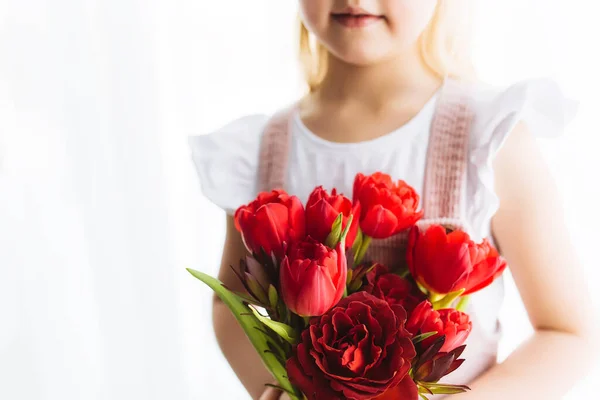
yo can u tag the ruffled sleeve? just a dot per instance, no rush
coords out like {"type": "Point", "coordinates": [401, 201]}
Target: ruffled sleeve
{"type": "Point", "coordinates": [540, 104]}
{"type": "Point", "coordinates": [227, 161]}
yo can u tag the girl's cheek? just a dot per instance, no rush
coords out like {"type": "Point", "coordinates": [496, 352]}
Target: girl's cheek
{"type": "Point", "coordinates": [407, 19]}
{"type": "Point", "coordinates": [315, 14]}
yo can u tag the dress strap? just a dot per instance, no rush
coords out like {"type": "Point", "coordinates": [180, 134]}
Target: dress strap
{"type": "Point", "coordinates": [274, 151]}
{"type": "Point", "coordinates": [447, 156]}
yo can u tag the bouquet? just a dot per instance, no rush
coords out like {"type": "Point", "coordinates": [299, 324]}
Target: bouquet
{"type": "Point", "coordinates": [330, 324]}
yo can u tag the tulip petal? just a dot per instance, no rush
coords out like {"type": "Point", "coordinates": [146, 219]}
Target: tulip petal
{"type": "Point", "coordinates": [439, 260]}
{"type": "Point", "coordinates": [379, 223]}
{"type": "Point", "coordinates": [288, 284]}
{"type": "Point", "coordinates": [316, 293]}
{"type": "Point", "coordinates": [484, 273]}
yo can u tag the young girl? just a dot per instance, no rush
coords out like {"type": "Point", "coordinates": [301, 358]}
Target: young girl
{"type": "Point", "coordinates": [392, 90]}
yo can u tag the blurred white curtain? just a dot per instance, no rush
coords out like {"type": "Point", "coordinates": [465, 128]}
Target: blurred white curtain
{"type": "Point", "coordinates": [100, 210]}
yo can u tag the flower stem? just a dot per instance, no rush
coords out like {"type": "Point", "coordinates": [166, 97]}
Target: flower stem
{"type": "Point", "coordinates": [447, 300]}
{"type": "Point", "coordinates": [363, 249]}
{"type": "Point", "coordinates": [463, 303]}
{"type": "Point", "coordinates": [435, 297]}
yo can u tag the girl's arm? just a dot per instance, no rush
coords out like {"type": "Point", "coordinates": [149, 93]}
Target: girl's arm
{"type": "Point", "coordinates": [231, 338]}
{"type": "Point", "coordinates": [531, 233]}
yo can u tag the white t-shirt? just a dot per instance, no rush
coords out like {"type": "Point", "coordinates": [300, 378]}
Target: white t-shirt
{"type": "Point", "coordinates": [227, 159]}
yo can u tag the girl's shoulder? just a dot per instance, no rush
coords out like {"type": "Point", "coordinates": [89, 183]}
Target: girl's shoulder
{"type": "Point", "coordinates": [226, 161]}
{"type": "Point", "coordinates": [538, 103]}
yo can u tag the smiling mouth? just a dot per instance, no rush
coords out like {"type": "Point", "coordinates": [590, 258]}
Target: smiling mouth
{"type": "Point", "coordinates": [356, 18]}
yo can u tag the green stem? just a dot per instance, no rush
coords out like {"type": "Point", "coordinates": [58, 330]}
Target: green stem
{"type": "Point", "coordinates": [363, 249]}
{"type": "Point", "coordinates": [404, 273]}
{"type": "Point", "coordinates": [463, 303]}
{"type": "Point", "coordinates": [436, 297]}
{"type": "Point", "coordinates": [447, 300]}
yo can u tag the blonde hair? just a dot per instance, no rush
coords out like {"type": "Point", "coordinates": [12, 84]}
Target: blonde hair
{"type": "Point", "coordinates": [444, 45]}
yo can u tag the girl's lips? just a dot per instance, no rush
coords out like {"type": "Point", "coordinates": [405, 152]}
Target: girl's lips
{"type": "Point", "coordinates": [350, 20]}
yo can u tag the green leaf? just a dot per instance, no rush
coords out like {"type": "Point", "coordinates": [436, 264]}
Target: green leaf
{"type": "Point", "coordinates": [423, 389]}
{"type": "Point", "coordinates": [256, 289]}
{"type": "Point", "coordinates": [285, 331]}
{"type": "Point", "coordinates": [439, 388]}
{"type": "Point", "coordinates": [273, 297]}
{"type": "Point", "coordinates": [349, 277]}
{"type": "Point", "coordinates": [278, 388]}
{"type": "Point", "coordinates": [423, 336]}
{"type": "Point", "coordinates": [245, 298]}
{"type": "Point", "coordinates": [336, 232]}
{"type": "Point", "coordinates": [346, 230]}
{"type": "Point", "coordinates": [251, 326]}
{"type": "Point", "coordinates": [356, 285]}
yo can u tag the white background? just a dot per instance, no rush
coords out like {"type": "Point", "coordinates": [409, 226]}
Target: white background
{"type": "Point", "coordinates": [100, 208]}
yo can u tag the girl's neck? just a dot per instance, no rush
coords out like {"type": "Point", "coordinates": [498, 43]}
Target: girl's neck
{"type": "Point", "coordinates": [404, 78]}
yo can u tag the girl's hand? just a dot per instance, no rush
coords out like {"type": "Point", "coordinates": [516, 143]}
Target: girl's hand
{"type": "Point", "coordinates": [274, 394]}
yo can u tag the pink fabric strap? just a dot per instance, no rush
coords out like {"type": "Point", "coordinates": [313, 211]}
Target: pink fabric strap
{"type": "Point", "coordinates": [447, 156]}
{"type": "Point", "coordinates": [274, 150]}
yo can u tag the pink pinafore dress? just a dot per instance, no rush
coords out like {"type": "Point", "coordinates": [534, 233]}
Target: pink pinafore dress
{"type": "Point", "coordinates": [443, 200]}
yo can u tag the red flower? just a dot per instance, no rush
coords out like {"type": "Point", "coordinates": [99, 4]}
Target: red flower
{"type": "Point", "coordinates": [321, 211]}
{"type": "Point", "coordinates": [435, 365]}
{"type": "Point", "coordinates": [313, 277]}
{"type": "Point", "coordinates": [406, 390]}
{"type": "Point", "coordinates": [438, 260]}
{"type": "Point", "coordinates": [447, 262]}
{"type": "Point", "coordinates": [386, 207]}
{"type": "Point", "coordinates": [270, 222]}
{"type": "Point", "coordinates": [454, 325]}
{"type": "Point", "coordinates": [488, 266]}
{"type": "Point", "coordinates": [356, 351]}
{"type": "Point", "coordinates": [393, 288]}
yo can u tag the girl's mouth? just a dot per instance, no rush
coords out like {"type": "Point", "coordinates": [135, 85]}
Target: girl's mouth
{"type": "Point", "coordinates": [355, 18]}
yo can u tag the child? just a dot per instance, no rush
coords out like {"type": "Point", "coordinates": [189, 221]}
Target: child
{"type": "Point", "coordinates": [392, 90]}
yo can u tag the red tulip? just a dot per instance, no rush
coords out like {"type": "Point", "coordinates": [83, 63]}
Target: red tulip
{"type": "Point", "coordinates": [321, 211]}
{"type": "Point", "coordinates": [313, 277]}
{"type": "Point", "coordinates": [445, 262]}
{"type": "Point", "coordinates": [386, 207]}
{"type": "Point", "coordinates": [488, 266]}
{"type": "Point", "coordinates": [270, 222]}
{"type": "Point", "coordinates": [454, 325]}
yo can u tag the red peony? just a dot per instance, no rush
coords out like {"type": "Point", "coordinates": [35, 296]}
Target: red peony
{"type": "Point", "coordinates": [313, 277]}
{"type": "Point", "coordinates": [392, 288]}
{"type": "Point", "coordinates": [270, 222]}
{"type": "Point", "coordinates": [321, 211]}
{"type": "Point", "coordinates": [357, 351]}
{"type": "Point", "coordinates": [386, 207]}
{"type": "Point", "coordinates": [406, 390]}
{"type": "Point", "coordinates": [453, 324]}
